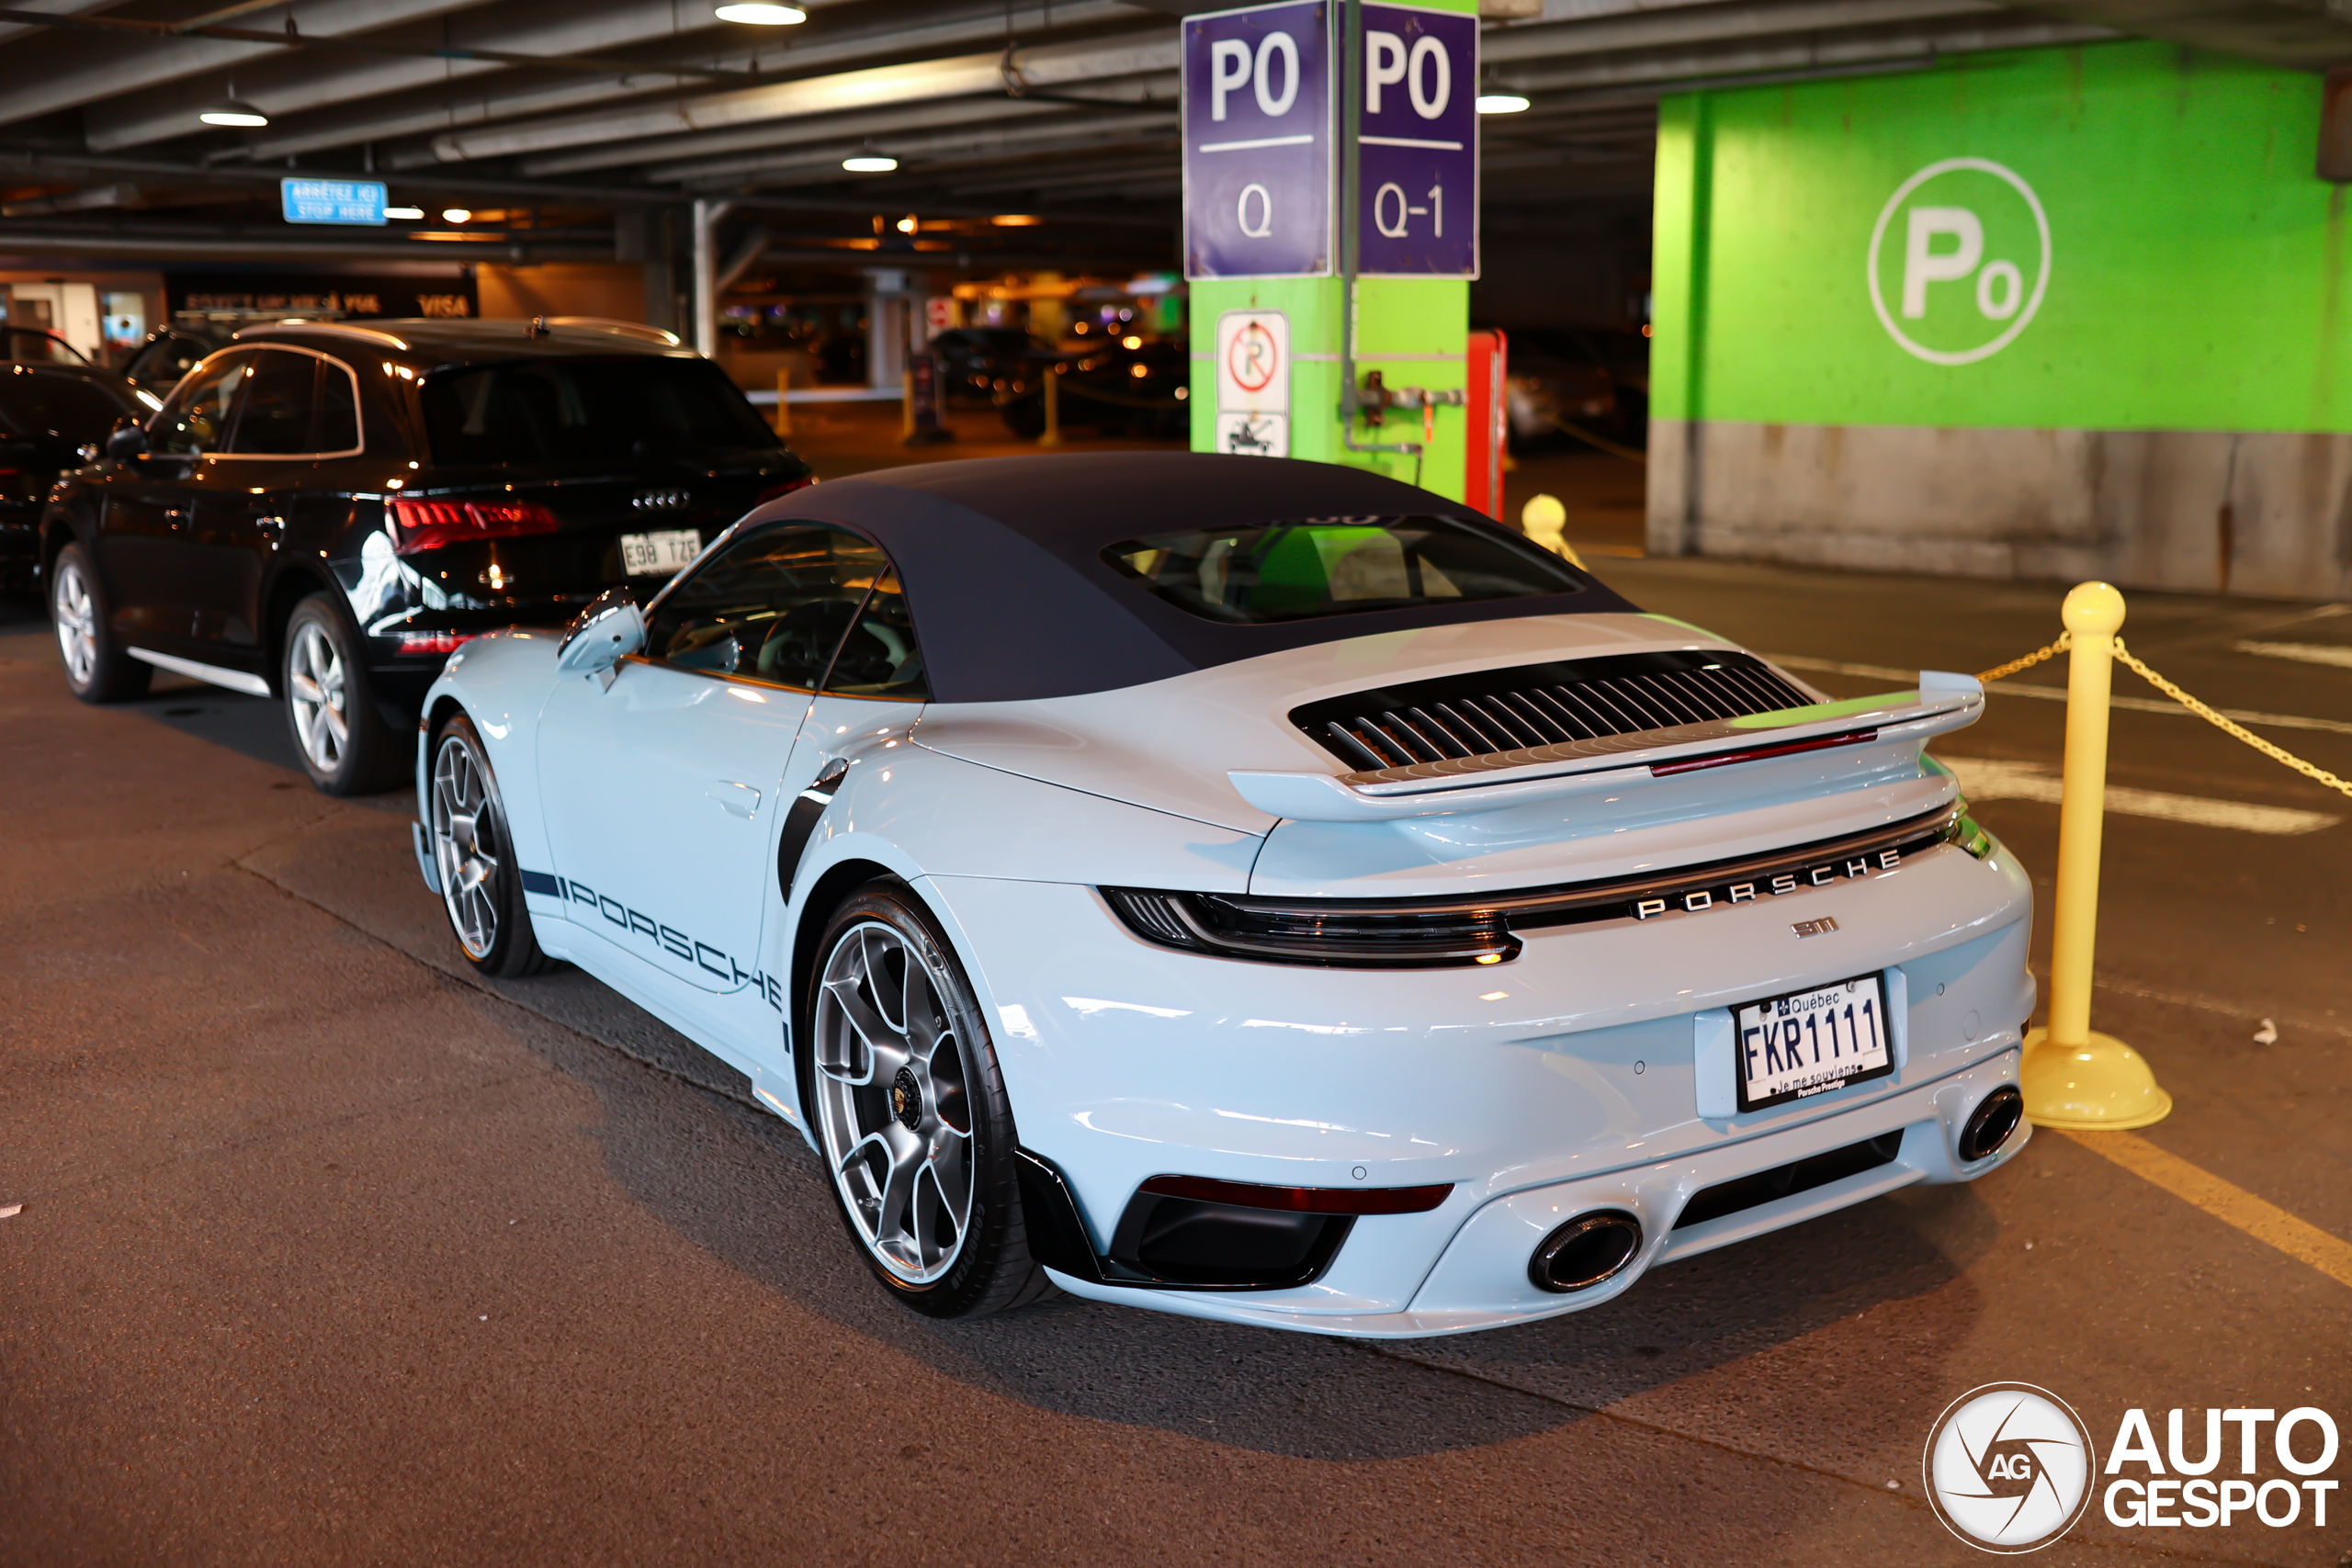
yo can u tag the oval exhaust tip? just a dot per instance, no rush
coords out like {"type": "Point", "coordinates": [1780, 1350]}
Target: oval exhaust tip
{"type": "Point", "coordinates": [1991, 1124]}
{"type": "Point", "coordinates": [1591, 1249]}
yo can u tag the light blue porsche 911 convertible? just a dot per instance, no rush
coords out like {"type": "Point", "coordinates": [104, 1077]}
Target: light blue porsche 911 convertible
{"type": "Point", "coordinates": [1249, 889]}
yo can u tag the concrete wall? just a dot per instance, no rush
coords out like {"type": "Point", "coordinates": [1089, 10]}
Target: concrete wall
{"type": "Point", "coordinates": [2262, 513]}
{"type": "Point", "coordinates": [2055, 314]}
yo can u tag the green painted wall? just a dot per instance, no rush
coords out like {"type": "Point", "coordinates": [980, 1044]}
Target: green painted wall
{"type": "Point", "coordinates": [2194, 273]}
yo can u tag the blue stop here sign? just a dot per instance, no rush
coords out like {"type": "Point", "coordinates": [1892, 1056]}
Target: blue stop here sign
{"type": "Point", "coordinates": [1258, 142]}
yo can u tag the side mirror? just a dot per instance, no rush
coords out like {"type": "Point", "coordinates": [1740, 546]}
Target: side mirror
{"type": "Point", "coordinates": [607, 631]}
{"type": "Point", "coordinates": [126, 440]}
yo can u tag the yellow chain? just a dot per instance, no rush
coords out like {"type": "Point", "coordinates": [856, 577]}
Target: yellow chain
{"type": "Point", "coordinates": [2003, 672]}
{"type": "Point", "coordinates": [2277, 754]}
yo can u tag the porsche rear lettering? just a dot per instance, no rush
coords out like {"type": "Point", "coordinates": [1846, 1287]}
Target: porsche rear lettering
{"type": "Point", "coordinates": [716, 962]}
{"type": "Point", "coordinates": [1694, 899]}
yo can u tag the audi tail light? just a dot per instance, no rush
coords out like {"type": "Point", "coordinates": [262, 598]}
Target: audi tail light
{"type": "Point", "coordinates": [778, 492]}
{"type": "Point", "coordinates": [428, 524]}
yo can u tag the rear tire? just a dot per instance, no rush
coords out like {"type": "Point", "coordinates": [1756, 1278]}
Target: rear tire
{"type": "Point", "coordinates": [902, 1089]}
{"type": "Point", "coordinates": [97, 670]}
{"type": "Point", "coordinates": [473, 855]}
{"type": "Point", "coordinates": [341, 735]}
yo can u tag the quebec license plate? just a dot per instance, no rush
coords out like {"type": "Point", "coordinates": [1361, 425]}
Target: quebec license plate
{"type": "Point", "coordinates": [659, 555]}
{"type": "Point", "coordinates": [1808, 1043]}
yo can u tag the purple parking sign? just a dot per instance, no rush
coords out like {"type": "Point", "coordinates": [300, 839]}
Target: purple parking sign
{"type": "Point", "coordinates": [1417, 159]}
{"type": "Point", "coordinates": [1258, 135]}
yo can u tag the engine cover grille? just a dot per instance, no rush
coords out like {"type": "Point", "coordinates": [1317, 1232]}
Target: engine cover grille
{"type": "Point", "coordinates": [1495, 711]}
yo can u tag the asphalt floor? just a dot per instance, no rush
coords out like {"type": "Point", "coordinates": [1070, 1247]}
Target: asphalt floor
{"type": "Point", "coordinates": [331, 1253]}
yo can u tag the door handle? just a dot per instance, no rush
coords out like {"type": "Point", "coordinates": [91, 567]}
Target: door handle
{"type": "Point", "coordinates": [735, 799]}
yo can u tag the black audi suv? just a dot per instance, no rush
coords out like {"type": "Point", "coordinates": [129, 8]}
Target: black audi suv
{"type": "Point", "coordinates": [323, 512]}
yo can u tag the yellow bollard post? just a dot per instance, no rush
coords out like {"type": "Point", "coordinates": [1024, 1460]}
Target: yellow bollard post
{"type": "Point", "coordinates": [784, 400]}
{"type": "Point", "coordinates": [2074, 1077]}
{"type": "Point", "coordinates": [905, 405]}
{"type": "Point", "coordinates": [1053, 432]}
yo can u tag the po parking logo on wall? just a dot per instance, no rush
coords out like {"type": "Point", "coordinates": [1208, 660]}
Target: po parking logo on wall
{"type": "Point", "coordinates": [1959, 260]}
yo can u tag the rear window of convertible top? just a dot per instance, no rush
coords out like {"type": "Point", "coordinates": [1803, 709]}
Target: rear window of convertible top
{"type": "Point", "coordinates": [1338, 566]}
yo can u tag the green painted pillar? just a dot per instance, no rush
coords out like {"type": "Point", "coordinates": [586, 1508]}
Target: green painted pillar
{"type": "Point", "coordinates": [1413, 332]}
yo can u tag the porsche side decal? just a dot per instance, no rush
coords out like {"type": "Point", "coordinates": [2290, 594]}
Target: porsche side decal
{"type": "Point", "coordinates": [711, 960]}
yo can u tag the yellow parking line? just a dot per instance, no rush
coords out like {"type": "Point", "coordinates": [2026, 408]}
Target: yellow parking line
{"type": "Point", "coordinates": [2264, 1221]}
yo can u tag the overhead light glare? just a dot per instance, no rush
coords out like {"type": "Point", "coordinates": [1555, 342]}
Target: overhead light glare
{"type": "Point", "coordinates": [1016, 221]}
{"type": "Point", "coordinates": [869, 164]}
{"type": "Point", "coordinates": [1501, 102]}
{"type": "Point", "coordinates": [234, 111]}
{"type": "Point", "coordinates": [409, 212]}
{"type": "Point", "coordinates": [762, 15]}
{"type": "Point", "coordinates": [451, 214]}
{"type": "Point", "coordinates": [907, 225]}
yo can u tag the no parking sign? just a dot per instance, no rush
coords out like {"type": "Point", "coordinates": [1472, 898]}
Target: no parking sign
{"type": "Point", "coordinates": [1253, 383]}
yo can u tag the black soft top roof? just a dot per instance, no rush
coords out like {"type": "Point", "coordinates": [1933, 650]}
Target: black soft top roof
{"type": "Point", "coordinates": [1001, 563]}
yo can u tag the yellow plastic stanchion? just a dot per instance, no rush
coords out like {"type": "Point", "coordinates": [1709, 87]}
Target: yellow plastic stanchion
{"type": "Point", "coordinates": [2073, 1076]}
{"type": "Point", "coordinates": [783, 401]}
{"type": "Point", "coordinates": [1053, 434]}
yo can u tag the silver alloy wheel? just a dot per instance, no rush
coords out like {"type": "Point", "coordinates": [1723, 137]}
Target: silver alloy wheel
{"type": "Point", "coordinates": [315, 693]}
{"type": "Point", "coordinates": [467, 844]}
{"type": "Point", "coordinates": [77, 623]}
{"type": "Point", "coordinates": [892, 1112]}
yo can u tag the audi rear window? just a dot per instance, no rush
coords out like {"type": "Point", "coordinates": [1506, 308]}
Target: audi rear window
{"type": "Point", "coordinates": [1339, 565]}
{"type": "Point", "coordinates": [567, 410]}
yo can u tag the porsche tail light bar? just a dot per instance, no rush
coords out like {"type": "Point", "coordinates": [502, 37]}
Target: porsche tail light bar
{"type": "Point", "coordinates": [1352, 936]}
{"type": "Point", "coordinates": [1432, 933]}
{"type": "Point", "coordinates": [419, 525]}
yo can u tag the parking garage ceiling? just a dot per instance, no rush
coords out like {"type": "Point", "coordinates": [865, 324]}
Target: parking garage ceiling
{"type": "Point", "coordinates": [552, 122]}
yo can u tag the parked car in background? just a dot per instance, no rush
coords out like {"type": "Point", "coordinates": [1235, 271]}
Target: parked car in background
{"type": "Point", "coordinates": [49, 414]}
{"type": "Point", "coordinates": [1597, 382]}
{"type": "Point", "coordinates": [1124, 386]}
{"type": "Point", "coordinates": [974, 362]}
{"type": "Point", "coordinates": [322, 512]}
{"type": "Point", "coordinates": [156, 366]}
{"type": "Point", "coordinates": [37, 345]}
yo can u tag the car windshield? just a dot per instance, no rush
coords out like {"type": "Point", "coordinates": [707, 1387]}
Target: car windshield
{"type": "Point", "coordinates": [1339, 565]}
{"type": "Point", "coordinates": [563, 411]}
{"type": "Point", "coordinates": [32, 402]}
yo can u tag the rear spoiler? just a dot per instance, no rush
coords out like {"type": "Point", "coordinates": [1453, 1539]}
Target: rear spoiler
{"type": "Point", "coordinates": [1943, 702]}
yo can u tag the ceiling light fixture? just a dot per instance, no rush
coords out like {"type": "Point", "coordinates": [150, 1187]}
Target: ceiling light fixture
{"type": "Point", "coordinates": [907, 225]}
{"type": "Point", "coordinates": [1016, 221]}
{"type": "Point", "coordinates": [454, 214]}
{"type": "Point", "coordinates": [869, 164]}
{"type": "Point", "coordinates": [234, 110]}
{"type": "Point", "coordinates": [1501, 102]}
{"type": "Point", "coordinates": [408, 212]}
{"type": "Point", "coordinates": [762, 15]}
